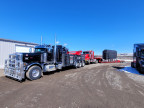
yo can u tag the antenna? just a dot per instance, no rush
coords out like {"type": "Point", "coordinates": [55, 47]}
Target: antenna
{"type": "Point", "coordinates": [41, 39]}
{"type": "Point", "coordinates": [55, 50]}
{"type": "Point", "coordinates": [55, 39]}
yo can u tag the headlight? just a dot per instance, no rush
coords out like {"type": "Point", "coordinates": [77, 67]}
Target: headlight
{"type": "Point", "coordinates": [18, 72]}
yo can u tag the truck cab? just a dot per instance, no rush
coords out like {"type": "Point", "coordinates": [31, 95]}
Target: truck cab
{"type": "Point", "coordinates": [138, 57]}
{"type": "Point", "coordinates": [89, 57]}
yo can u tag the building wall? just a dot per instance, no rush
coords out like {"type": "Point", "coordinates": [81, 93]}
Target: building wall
{"type": "Point", "coordinates": [7, 48]}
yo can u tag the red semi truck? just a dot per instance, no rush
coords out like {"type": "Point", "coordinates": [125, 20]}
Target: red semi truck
{"type": "Point", "coordinates": [89, 57]}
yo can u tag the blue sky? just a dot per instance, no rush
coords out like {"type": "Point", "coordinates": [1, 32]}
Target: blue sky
{"type": "Point", "coordinates": [82, 24]}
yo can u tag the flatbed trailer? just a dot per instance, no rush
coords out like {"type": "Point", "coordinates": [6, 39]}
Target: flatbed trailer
{"type": "Point", "coordinates": [108, 56]}
{"type": "Point", "coordinates": [100, 60]}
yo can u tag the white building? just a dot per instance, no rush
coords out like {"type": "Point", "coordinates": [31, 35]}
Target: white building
{"type": "Point", "coordinates": [11, 46]}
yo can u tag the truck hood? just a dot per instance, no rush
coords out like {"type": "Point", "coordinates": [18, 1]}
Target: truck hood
{"type": "Point", "coordinates": [86, 56]}
{"type": "Point", "coordinates": [31, 57]}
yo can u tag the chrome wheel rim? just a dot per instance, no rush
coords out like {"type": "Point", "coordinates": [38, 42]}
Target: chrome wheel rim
{"type": "Point", "coordinates": [83, 64]}
{"type": "Point", "coordinates": [80, 64]}
{"type": "Point", "coordinates": [76, 64]}
{"type": "Point", "coordinates": [35, 73]}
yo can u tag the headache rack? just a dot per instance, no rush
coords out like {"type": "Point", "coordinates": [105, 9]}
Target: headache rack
{"type": "Point", "coordinates": [14, 67]}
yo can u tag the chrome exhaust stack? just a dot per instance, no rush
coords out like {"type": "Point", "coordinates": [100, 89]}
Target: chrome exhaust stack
{"type": "Point", "coordinates": [55, 51]}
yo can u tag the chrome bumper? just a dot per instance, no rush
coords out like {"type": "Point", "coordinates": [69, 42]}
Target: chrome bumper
{"type": "Point", "coordinates": [14, 67]}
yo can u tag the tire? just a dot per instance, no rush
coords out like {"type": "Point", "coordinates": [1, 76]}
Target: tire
{"type": "Point", "coordinates": [34, 73]}
{"type": "Point", "coordinates": [100, 60]}
{"type": "Point", "coordinates": [80, 65]}
{"type": "Point", "coordinates": [89, 62]}
{"type": "Point", "coordinates": [96, 62]}
{"type": "Point", "coordinates": [141, 70]}
{"type": "Point", "coordinates": [75, 65]}
{"type": "Point", "coordinates": [83, 63]}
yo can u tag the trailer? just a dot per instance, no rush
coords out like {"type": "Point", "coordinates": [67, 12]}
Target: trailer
{"type": "Point", "coordinates": [46, 58]}
{"type": "Point", "coordinates": [138, 57]}
{"type": "Point", "coordinates": [108, 56]}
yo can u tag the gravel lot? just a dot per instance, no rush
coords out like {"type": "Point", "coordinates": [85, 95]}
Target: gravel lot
{"type": "Point", "coordinates": [94, 86]}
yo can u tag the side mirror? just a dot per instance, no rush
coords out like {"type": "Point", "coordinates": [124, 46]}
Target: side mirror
{"type": "Point", "coordinates": [49, 50]}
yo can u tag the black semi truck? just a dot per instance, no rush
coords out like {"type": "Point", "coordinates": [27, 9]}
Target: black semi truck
{"type": "Point", "coordinates": [138, 57]}
{"type": "Point", "coordinates": [46, 58]}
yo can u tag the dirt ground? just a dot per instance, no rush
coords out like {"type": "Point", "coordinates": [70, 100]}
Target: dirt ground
{"type": "Point", "coordinates": [94, 86]}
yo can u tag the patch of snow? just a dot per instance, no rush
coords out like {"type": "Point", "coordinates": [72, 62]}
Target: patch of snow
{"type": "Point", "coordinates": [70, 75]}
{"type": "Point", "coordinates": [129, 69]}
{"type": "Point", "coordinates": [133, 74]}
{"type": "Point", "coordinates": [126, 60]}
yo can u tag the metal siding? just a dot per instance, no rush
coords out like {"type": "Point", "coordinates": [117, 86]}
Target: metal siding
{"type": "Point", "coordinates": [7, 48]}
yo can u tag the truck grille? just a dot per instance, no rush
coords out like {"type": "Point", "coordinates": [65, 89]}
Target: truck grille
{"type": "Point", "coordinates": [14, 66]}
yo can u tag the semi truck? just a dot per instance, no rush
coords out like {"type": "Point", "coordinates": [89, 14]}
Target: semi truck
{"type": "Point", "coordinates": [138, 57]}
{"type": "Point", "coordinates": [89, 57]}
{"type": "Point", "coordinates": [46, 58]}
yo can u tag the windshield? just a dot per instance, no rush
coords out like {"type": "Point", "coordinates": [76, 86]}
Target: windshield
{"type": "Point", "coordinates": [85, 52]}
{"type": "Point", "coordinates": [40, 50]}
{"type": "Point", "coordinates": [142, 52]}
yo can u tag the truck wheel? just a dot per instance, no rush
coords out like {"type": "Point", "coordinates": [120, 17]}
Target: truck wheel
{"type": "Point", "coordinates": [80, 64]}
{"type": "Point", "coordinates": [100, 60]}
{"type": "Point", "coordinates": [75, 65]}
{"type": "Point", "coordinates": [96, 62]}
{"type": "Point", "coordinates": [34, 73]}
{"type": "Point", "coordinates": [83, 63]}
{"type": "Point", "coordinates": [141, 70]}
{"type": "Point", "coordinates": [89, 62]}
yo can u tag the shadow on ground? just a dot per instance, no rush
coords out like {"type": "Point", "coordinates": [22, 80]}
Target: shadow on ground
{"type": "Point", "coordinates": [128, 69]}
